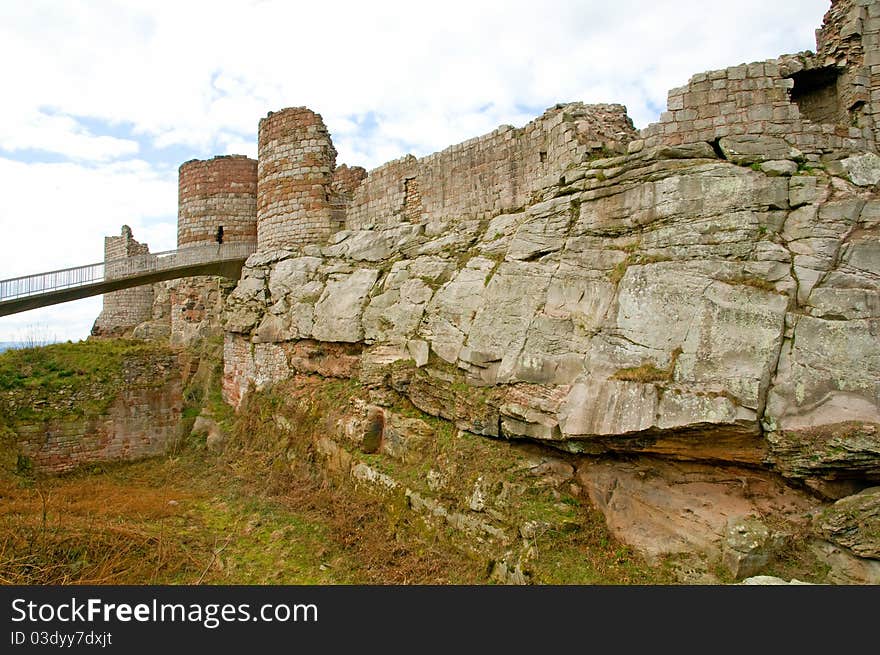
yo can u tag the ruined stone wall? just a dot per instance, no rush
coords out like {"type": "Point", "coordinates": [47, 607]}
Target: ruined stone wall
{"type": "Point", "coordinates": [141, 421]}
{"type": "Point", "coordinates": [849, 40]}
{"type": "Point", "coordinates": [126, 308]}
{"type": "Point", "coordinates": [820, 104]}
{"type": "Point", "coordinates": [346, 179]}
{"type": "Point", "coordinates": [245, 362]}
{"type": "Point", "coordinates": [380, 198]}
{"type": "Point", "coordinates": [295, 173]}
{"type": "Point", "coordinates": [488, 175]}
{"type": "Point", "coordinates": [754, 99]}
{"type": "Point", "coordinates": [196, 307]}
{"type": "Point", "coordinates": [215, 192]}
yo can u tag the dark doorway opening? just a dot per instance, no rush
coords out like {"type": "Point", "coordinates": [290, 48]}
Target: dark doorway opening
{"type": "Point", "coordinates": [816, 95]}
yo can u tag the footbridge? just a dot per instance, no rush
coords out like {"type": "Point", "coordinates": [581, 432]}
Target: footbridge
{"type": "Point", "coordinates": [43, 289]}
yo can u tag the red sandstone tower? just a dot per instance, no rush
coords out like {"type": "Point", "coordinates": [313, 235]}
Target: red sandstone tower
{"type": "Point", "coordinates": [217, 192]}
{"type": "Point", "coordinates": [214, 194]}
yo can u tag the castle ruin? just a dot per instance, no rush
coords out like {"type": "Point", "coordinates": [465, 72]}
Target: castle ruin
{"type": "Point", "coordinates": [704, 290]}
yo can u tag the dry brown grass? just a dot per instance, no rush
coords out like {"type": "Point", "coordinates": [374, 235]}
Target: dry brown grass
{"type": "Point", "coordinates": [263, 511]}
{"type": "Point", "coordinates": [643, 373]}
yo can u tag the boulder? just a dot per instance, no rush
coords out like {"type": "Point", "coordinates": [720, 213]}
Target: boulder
{"type": "Point", "coordinates": [854, 523]}
{"type": "Point", "coordinates": [863, 170]}
{"type": "Point", "coordinates": [748, 546]}
{"type": "Point", "coordinates": [663, 507]}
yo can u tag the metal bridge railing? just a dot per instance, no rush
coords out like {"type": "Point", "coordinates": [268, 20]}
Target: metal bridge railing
{"type": "Point", "coordinates": [115, 269]}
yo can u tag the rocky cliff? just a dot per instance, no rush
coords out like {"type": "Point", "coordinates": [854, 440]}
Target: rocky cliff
{"type": "Point", "coordinates": [696, 319]}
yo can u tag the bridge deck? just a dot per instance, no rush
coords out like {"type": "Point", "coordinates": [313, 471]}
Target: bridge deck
{"type": "Point", "coordinates": [43, 289]}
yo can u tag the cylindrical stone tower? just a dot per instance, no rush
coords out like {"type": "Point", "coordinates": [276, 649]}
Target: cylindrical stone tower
{"type": "Point", "coordinates": [295, 172]}
{"type": "Point", "coordinates": [215, 193]}
{"type": "Point", "coordinates": [218, 192]}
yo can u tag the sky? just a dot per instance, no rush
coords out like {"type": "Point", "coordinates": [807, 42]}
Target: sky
{"type": "Point", "coordinates": [103, 100]}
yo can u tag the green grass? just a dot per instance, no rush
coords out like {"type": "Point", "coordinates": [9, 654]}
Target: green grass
{"type": "Point", "coordinates": [67, 379]}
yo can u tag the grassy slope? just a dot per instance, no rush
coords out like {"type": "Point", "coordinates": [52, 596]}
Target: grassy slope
{"type": "Point", "coordinates": [260, 513]}
{"type": "Point", "coordinates": [64, 379]}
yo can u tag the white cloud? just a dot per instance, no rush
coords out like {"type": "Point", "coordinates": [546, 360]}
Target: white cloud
{"type": "Point", "coordinates": [56, 216]}
{"type": "Point", "coordinates": [64, 135]}
{"type": "Point", "coordinates": [196, 77]}
{"type": "Point", "coordinates": [181, 73]}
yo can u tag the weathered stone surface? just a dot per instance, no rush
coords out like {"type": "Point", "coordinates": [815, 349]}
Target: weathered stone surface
{"type": "Point", "coordinates": [152, 331]}
{"type": "Point", "coordinates": [854, 523]}
{"type": "Point", "coordinates": [501, 323]}
{"type": "Point", "coordinates": [826, 457]}
{"type": "Point", "coordinates": [329, 360]}
{"type": "Point", "coordinates": [750, 149]}
{"type": "Point", "coordinates": [661, 507]}
{"type": "Point", "coordinates": [338, 311]}
{"type": "Point", "coordinates": [748, 546]}
{"type": "Point", "coordinates": [779, 167]}
{"type": "Point", "coordinates": [405, 438]}
{"type": "Point", "coordinates": [846, 568]}
{"type": "Point", "coordinates": [771, 580]}
{"type": "Point", "coordinates": [373, 478]}
{"type": "Point", "coordinates": [367, 245]}
{"type": "Point", "coordinates": [394, 316]}
{"type": "Point", "coordinates": [863, 170]}
{"type": "Point", "coordinates": [449, 315]}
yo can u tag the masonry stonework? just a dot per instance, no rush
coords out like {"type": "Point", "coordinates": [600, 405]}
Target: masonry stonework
{"type": "Point", "coordinates": [123, 309]}
{"type": "Point", "coordinates": [142, 421]}
{"type": "Point", "coordinates": [491, 174]}
{"type": "Point", "coordinates": [218, 192]}
{"type": "Point", "coordinates": [821, 104]}
{"type": "Point", "coordinates": [295, 175]}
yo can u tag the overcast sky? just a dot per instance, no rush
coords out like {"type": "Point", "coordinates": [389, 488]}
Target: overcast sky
{"type": "Point", "coordinates": [102, 101]}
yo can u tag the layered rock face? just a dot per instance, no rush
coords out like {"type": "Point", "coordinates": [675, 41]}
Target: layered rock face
{"type": "Point", "coordinates": [667, 301]}
{"type": "Point", "coordinates": [707, 290]}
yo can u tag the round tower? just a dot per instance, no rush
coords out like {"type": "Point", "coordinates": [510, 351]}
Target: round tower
{"type": "Point", "coordinates": [295, 173]}
{"type": "Point", "coordinates": [215, 193]}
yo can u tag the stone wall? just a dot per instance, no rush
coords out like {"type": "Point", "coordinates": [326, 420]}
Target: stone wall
{"type": "Point", "coordinates": [491, 174]}
{"type": "Point", "coordinates": [710, 296]}
{"type": "Point", "coordinates": [295, 173]}
{"type": "Point", "coordinates": [196, 307]}
{"type": "Point", "coordinates": [245, 363]}
{"type": "Point", "coordinates": [217, 192]}
{"type": "Point", "coordinates": [848, 40]}
{"type": "Point", "coordinates": [345, 180]}
{"type": "Point", "coordinates": [123, 309]}
{"type": "Point", "coordinates": [821, 104]}
{"type": "Point", "coordinates": [141, 421]}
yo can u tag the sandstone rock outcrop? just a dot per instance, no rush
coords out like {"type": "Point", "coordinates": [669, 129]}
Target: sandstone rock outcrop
{"type": "Point", "coordinates": [702, 297]}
